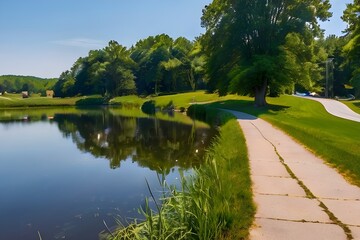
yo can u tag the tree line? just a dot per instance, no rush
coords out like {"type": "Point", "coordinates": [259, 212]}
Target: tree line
{"type": "Point", "coordinates": [17, 84]}
{"type": "Point", "coordinates": [250, 47]}
{"type": "Point", "coordinates": [155, 65]}
{"type": "Point", "coordinates": [270, 47]}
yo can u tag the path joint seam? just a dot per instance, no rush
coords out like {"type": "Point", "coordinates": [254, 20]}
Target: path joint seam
{"type": "Point", "coordinates": [309, 194]}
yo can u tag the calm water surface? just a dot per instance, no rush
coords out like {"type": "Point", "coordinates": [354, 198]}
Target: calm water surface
{"type": "Point", "coordinates": [63, 174]}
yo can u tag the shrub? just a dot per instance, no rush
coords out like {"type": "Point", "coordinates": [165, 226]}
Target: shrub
{"type": "Point", "coordinates": [148, 107]}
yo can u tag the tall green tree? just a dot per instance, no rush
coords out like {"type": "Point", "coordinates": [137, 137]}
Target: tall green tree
{"type": "Point", "coordinates": [247, 38]}
{"type": "Point", "coordinates": [120, 79]}
{"type": "Point", "coordinates": [150, 55]}
{"type": "Point", "coordinates": [64, 87]}
{"type": "Point", "coordinates": [107, 71]}
{"type": "Point", "coordinates": [167, 65]}
{"type": "Point", "coordinates": [352, 48]}
{"type": "Point", "coordinates": [333, 46]}
{"type": "Point", "coordinates": [154, 65]}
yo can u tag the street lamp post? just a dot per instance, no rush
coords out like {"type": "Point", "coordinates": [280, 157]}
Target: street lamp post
{"type": "Point", "coordinates": [329, 60]}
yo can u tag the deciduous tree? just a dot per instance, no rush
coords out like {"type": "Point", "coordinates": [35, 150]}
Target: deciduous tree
{"type": "Point", "coordinates": [352, 48]}
{"type": "Point", "coordinates": [248, 38]}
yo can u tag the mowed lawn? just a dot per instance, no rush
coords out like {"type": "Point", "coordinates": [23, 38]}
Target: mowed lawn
{"type": "Point", "coordinates": [16, 101]}
{"type": "Point", "coordinates": [353, 105]}
{"type": "Point", "coordinates": [334, 139]}
{"type": "Point", "coordinates": [181, 100]}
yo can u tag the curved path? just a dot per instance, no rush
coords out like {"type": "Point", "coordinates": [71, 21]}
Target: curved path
{"type": "Point", "coordinates": [336, 108]}
{"type": "Point", "coordinates": [297, 195]}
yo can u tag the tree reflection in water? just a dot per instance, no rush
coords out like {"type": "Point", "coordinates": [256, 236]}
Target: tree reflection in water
{"type": "Point", "coordinates": [156, 144]}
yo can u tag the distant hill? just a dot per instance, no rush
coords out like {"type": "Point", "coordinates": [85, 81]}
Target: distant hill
{"type": "Point", "coordinates": [13, 83]}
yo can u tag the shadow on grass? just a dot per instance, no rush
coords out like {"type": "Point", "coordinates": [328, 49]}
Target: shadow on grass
{"type": "Point", "coordinates": [247, 106]}
{"type": "Point", "coordinates": [244, 109]}
{"type": "Point", "coordinates": [357, 104]}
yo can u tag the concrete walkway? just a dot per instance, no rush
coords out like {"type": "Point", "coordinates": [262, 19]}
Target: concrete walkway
{"type": "Point", "coordinates": [297, 195]}
{"type": "Point", "coordinates": [336, 108]}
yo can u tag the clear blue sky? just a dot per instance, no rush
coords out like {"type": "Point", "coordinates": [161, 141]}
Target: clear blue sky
{"type": "Point", "coordinates": [44, 37]}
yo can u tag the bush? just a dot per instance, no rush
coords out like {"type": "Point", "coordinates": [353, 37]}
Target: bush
{"type": "Point", "coordinates": [197, 112]}
{"type": "Point", "coordinates": [149, 107]}
{"type": "Point", "coordinates": [91, 101]}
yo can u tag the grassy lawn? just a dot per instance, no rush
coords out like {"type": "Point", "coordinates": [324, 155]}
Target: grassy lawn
{"type": "Point", "coordinates": [333, 139]}
{"type": "Point", "coordinates": [16, 101]}
{"type": "Point", "coordinates": [178, 100]}
{"type": "Point", "coordinates": [353, 105]}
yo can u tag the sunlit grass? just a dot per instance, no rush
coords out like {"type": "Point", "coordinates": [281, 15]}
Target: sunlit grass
{"type": "Point", "coordinates": [353, 105]}
{"type": "Point", "coordinates": [129, 101]}
{"type": "Point", "coordinates": [16, 101]}
{"type": "Point", "coordinates": [178, 101]}
{"type": "Point", "coordinates": [181, 100]}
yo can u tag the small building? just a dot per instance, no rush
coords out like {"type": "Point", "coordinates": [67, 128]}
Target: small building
{"type": "Point", "coordinates": [25, 94]}
{"type": "Point", "coordinates": [50, 93]}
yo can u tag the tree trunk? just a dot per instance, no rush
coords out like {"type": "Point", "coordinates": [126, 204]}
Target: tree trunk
{"type": "Point", "coordinates": [260, 95]}
{"type": "Point", "coordinates": [191, 79]}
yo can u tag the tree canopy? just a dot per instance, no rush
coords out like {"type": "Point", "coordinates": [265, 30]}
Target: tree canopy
{"type": "Point", "coordinates": [12, 83]}
{"type": "Point", "coordinates": [352, 48]}
{"type": "Point", "coordinates": [108, 72]}
{"type": "Point", "coordinates": [157, 64]}
{"type": "Point", "coordinates": [253, 45]}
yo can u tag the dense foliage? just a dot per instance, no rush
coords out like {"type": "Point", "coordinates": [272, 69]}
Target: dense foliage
{"type": "Point", "coordinates": [154, 65]}
{"type": "Point", "coordinates": [339, 71]}
{"type": "Point", "coordinates": [17, 84]}
{"type": "Point", "coordinates": [253, 45]}
{"type": "Point", "coordinates": [352, 48]}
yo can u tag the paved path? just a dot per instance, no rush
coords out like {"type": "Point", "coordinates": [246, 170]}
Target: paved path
{"type": "Point", "coordinates": [336, 108]}
{"type": "Point", "coordinates": [297, 195]}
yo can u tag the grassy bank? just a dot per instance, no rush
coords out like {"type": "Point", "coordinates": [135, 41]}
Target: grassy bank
{"type": "Point", "coordinates": [16, 101]}
{"type": "Point", "coordinates": [353, 105]}
{"type": "Point", "coordinates": [216, 203]}
{"type": "Point", "coordinates": [331, 138]}
{"type": "Point", "coordinates": [183, 100]}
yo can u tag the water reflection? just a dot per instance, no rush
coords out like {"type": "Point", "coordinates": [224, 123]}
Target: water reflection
{"type": "Point", "coordinates": [54, 167]}
{"type": "Point", "coordinates": [156, 144]}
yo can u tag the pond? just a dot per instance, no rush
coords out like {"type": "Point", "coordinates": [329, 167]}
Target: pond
{"type": "Point", "coordinates": [64, 172]}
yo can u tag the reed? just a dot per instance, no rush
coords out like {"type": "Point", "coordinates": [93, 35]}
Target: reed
{"type": "Point", "coordinates": [214, 203]}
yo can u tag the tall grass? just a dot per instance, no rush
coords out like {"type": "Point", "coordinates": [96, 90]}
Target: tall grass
{"type": "Point", "coordinates": [214, 203]}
